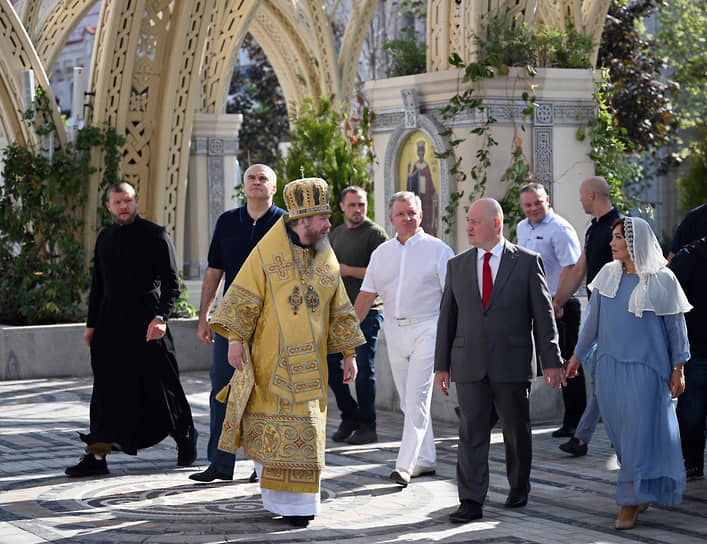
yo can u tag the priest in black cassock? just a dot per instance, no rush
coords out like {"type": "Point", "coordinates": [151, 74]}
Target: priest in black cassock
{"type": "Point", "coordinates": [137, 398]}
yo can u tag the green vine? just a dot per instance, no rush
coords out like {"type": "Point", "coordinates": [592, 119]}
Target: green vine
{"type": "Point", "coordinates": [41, 204]}
{"type": "Point", "coordinates": [516, 174]}
{"type": "Point", "coordinates": [182, 308]}
{"type": "Point", "coordinates": [461, 102]}
{"type": "Point", "coordinates": [610, 152]}
{"type": "Point", "coordinates": [507, 42]}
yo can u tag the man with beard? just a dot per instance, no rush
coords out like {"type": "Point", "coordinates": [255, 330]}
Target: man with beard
{"type": "Point", "coordinates": [137, 399]}
{"type": "Point", "coordinates": [353, 243]}
{"type": "Point", "coordinates": [285, 311]}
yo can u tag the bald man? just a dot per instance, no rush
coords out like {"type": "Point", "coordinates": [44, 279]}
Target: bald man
{"type": "Point", "coordinates": [495, 301]}
{"type": "Point", "coordinates": [594, 196]}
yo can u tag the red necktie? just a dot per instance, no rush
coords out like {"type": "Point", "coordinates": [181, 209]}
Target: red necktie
{"type": "Point", "coordinates": [487, 282]}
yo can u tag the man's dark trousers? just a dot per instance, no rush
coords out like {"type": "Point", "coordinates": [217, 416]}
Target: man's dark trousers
{"type": "Point", "coordinates": [574, 394]}
{"type": "Point", "coordinates": [481, 402]}
{"type": "Point", "coordinates": [221, 373]}
{"type": "Point", "coordinates": [365, 410]}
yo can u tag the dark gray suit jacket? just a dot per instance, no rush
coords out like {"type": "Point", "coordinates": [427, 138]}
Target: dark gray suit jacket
{"type": "Point", "coordinates": [473, 342]}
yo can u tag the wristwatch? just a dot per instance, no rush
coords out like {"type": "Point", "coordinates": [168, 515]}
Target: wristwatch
{"type": "Point", "coordinates": [161, 318]}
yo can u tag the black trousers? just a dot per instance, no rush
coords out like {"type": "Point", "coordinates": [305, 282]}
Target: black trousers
{"type": "Point", "coordinates": [479, 402]}
{"type": "Point", "coordinates": [574, 394]}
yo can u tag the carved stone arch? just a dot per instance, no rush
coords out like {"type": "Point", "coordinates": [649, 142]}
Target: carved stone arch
{"type": "Point", "coordinates": [450, 26]}
{"type": "Point", "coordinates": [17, 54]}
{"type": "Point", "coordinates": [414, 120]}
{"type": "Point", "coordinates": [560, 13]}
{"type": "Point", "coordinates": [295, 81]}
{"type": "Point", "coordinates": [55, 29]}
{"type": "Point", "coordinates": [30, 17]}
{"type": "Point", "coordinates": [228, 27]}
{"type": "Point", "coordinates": [317, 29]}
{"type": "Point", "coordinates": [147, 58]}
{"type": "Point", "coordinates": [289, 55]}
{"type": "Point", "coordinates": [593, 17]}
{"type": "Point", "coordinates": [276, 28]}
{"type": "Point", "coordinates": [351, 45]}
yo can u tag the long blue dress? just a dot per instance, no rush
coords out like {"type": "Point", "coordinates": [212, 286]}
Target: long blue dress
{"type": "Point", "coordinates": [635, 357]}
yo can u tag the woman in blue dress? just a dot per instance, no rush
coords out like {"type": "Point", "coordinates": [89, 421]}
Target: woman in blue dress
{"type": "Point", "coordinates": [635, 317]}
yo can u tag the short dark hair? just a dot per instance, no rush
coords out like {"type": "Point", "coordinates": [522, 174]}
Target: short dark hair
{"type": "Point", "coordinates": [120, 187]}
{"type": "Point", "coordinates": [353, 189]}
{"type": "Point", "coordinates": [533, 187]}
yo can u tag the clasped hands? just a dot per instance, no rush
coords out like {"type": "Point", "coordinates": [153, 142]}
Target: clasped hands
{"type": "Point", "coordinates": [557, 377]}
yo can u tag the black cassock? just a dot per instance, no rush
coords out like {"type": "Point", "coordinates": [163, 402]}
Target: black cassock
{"type": "Point", "coordinates": [137, 397]}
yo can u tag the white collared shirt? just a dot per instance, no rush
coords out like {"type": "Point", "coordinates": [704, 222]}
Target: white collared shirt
{"type": "Point", "coordinates": [556, 241]}
{"type": "Point", "coordinates": [494, 262]}
{"type": "Point", "coordinates": [409, 277]}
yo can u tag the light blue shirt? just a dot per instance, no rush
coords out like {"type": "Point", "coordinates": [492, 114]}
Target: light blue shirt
{"type": "Point", "coordinates": [556, 241]}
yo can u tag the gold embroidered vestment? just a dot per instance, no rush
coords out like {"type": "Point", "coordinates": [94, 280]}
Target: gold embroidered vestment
{"type": "Point", "coordinates": [280, 420]}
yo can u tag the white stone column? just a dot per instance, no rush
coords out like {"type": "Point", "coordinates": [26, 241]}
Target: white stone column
{"type": "Point", "coordinates": [213, 178]}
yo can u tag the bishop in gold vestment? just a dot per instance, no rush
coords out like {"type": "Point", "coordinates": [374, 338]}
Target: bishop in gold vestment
{"type": "Point", "coordinates": [288, 305]}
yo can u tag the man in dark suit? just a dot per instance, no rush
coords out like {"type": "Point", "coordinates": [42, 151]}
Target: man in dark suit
{"type": "Point", "coordinates": [495, 301]}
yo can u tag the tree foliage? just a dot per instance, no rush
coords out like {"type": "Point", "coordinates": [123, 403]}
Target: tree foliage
{"type": "Point", "coordinates": [326, 143]}
{"type": "Point", "coordinates": [512, 42]}
{"type": "Point", "coordinates": [682, 36]}
{"type": "Point", "coordinates": [693, 185]}
{"type": "Point", "coordinates": [641, 95]}
{"type": "Point", "coordinates": [256, 93]}
{"type": "Point", "coordinates": [610, 152]}
{"type": "Point", "coordinates": [407, 56]}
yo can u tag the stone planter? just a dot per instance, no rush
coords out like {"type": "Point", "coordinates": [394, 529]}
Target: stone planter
{"type": "Point", "coordinates": [55, 351]}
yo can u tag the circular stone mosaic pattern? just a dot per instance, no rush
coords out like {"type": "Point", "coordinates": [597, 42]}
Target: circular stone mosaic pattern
{"type": "Point", "coordinates": [157, 497]}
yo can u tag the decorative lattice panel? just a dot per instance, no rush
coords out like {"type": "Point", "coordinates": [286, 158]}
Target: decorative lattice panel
{"type": "Point", "coordinates": [17, 54]}
{"type": "Point", "coordinates": [53, 31]}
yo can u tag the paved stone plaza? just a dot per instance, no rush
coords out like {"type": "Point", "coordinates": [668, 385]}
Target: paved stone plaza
{"type": "Point", "coordinates": [147, 500]}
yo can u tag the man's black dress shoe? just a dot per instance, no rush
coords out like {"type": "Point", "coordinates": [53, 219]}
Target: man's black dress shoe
{"type": "Point", "coordinates": [516, 501]}
{"type": "Point", "coordinates": [298, 521]}
{"type": "Point", "coordinates": [89, 466]}
{"type": "Point", "coordinates": [564, 432]}
{"type": "Point", "coordinates": [346, 428]}
{"type": "Point", "coordinates": [210, 474]}
{"type": "Point", "coordinates": [573, 447]}
{"type": "Point", "coordinates": [467, 511]}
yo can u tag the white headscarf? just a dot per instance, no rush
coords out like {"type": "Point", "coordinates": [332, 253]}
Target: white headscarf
{"type": "Point", "coordinates": [658, 289]}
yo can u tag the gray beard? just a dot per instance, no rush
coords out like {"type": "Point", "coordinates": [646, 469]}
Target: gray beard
{"type": "Point", "coordinates": [323, 244]}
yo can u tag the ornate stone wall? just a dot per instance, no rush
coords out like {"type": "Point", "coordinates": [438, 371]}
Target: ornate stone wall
{"type": "Point", "coordinates": [452, 23]}
{"type": "Point", "coordinates": [558, 158]}
{"type": "Point", "coordinates": [156, 62]}
{"type": "Point", "coordinates": [213, 176]}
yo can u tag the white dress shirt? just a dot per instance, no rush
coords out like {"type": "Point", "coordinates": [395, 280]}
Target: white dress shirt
{"type": "Point", "coordinates": [494, 262]}
{"type": "Point", "coordinates": [556, 241]}
{"type": "Point", "coordinates": [409, 277]}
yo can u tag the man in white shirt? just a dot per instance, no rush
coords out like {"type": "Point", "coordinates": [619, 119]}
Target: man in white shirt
{"type": "Point", "coordinates": [408, 273]}
{"type": "Point", "coordinates": [556, 240]}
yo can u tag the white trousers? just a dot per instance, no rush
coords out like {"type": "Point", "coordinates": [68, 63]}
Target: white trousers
{"type": "Point", "coordinates": [288, 503]}
{"type": "Point", "coordinates": [411, 346]}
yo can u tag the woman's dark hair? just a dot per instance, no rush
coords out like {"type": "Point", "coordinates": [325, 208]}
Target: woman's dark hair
{"type": "Point", "coordinates": [619, 221]}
